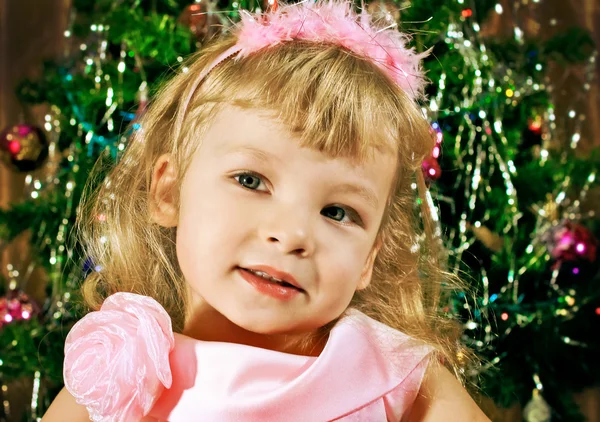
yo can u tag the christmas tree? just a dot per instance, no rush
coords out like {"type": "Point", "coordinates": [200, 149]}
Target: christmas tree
{"type": "Point", "coordinates": [510, 211]}
{"type": "Point", "coordinates": [509, 201]}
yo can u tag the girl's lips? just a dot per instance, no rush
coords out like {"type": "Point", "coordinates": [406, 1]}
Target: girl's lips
{"type": "Point", "coordinates": [269, 288]}
{"type": "Point", "coordinates": [273, 272]}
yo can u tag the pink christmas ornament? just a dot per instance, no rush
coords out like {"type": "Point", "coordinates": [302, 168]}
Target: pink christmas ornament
{"type": "Point", "coordinates": [17, 306]}
{"type": "Point", "coordinates": [570, 241]}
{"type": "Point", "coordinates": [431, 169]}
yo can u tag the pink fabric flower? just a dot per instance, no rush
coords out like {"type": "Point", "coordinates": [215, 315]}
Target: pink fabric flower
{"type": "Point", "coordinates": [117, 359]}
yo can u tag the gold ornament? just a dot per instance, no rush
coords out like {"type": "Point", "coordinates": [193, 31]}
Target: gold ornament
{"type": "Point", "coordinates": [537, 410]}
{"type": "Point", "coordinates": [490, 240]}
{"type": "Point", "coordinates": [549, 210]}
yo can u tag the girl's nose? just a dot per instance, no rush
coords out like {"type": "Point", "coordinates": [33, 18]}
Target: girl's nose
{"type": "Point", "coordinates": [289, 231]}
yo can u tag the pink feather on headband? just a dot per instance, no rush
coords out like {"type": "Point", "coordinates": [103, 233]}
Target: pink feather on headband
{"type": "Point", "coordinates": [330, 22]}
{"type": "Point", "coordinates": [333, 22]}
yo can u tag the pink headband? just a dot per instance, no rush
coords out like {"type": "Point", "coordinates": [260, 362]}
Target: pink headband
{"type": "Point", "coordinates": [331, 22]}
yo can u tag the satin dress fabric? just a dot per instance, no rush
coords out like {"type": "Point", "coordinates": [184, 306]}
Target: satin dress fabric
{"type": "Point", "coordinates": [366, 372]}
{"type": "Point", "coordinates": [124, 364]}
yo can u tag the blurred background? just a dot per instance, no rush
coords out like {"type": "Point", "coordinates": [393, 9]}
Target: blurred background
{"type": "Point", "coordinates": [514, 106]}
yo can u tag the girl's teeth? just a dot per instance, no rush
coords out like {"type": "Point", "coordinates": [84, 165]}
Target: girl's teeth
{"type": "Point", "coordinates": [267, 276]}
{"type": "Point", "coordinates": [273, 279]}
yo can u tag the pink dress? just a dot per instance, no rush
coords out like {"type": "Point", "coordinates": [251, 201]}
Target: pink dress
{"type": "Point", "coordinates": [367, 372]}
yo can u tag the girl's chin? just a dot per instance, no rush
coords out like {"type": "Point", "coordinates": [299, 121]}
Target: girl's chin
{"type": "Point", "coordinates": [271, 326]}
{"type": "Point", "coordinates": [285, 341]}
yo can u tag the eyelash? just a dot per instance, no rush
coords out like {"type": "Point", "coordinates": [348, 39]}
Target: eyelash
{"type": "Point", "coordinates": [349, 212]}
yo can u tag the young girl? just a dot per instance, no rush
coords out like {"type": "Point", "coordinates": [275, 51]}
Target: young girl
{"type": "Point", "coordinates": [258, 245]}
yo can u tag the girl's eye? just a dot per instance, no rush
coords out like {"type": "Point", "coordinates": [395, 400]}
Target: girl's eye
{"type": "Point", "coordinates": [249, 180]}
{"type": "Point", "coordinates": [343, 215]}
{"type": "Point", "coordinates": [335, 213]}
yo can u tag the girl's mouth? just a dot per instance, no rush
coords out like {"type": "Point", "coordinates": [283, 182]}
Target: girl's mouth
{"type": "Point", "coordinates": [268, 277]}
{"type": "Point", "coordinates": [271, 286]}
{"type": "Point", "coordinates": [274, 275]}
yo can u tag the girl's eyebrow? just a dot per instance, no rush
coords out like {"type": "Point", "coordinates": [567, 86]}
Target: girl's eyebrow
{"type": "Point", "coordinates": [253, 152]}
{"type": "Point", "coordinates": [364, 192]}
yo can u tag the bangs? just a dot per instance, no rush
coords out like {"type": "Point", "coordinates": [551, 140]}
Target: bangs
{"type": "Point", "coordinates": [331, 100]}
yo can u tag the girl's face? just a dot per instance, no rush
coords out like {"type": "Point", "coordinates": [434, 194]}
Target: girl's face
{"type": "Point", "coordinates": [252, 198]}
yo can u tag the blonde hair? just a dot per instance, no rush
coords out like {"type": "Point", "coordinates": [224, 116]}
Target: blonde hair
{"type": "Point", "coordinates": [335, 102]}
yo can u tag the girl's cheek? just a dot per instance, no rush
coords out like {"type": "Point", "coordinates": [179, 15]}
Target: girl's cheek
{"type": "Point", "coordinates": [342, 262]}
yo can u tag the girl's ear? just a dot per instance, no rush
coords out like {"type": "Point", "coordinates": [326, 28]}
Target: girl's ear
{"type": "Point", "coordinates": [367, 272]}
{"type": "Point", "coordinates": [162, 206]}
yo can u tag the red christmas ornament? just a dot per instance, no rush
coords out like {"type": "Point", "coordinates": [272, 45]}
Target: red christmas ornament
{"type": "Point", "coordinates": [535, 125]}
{"type": "Point", "coordinates": [570, 241]}
{"type": "Point", "coordinates": [466, 13]}
{"type": "Point", "coordinates": [23, 147]}
{"type": "Point", "coordinates": [16, 306]}
{"type": "Point", "coordinates": [14, 147]}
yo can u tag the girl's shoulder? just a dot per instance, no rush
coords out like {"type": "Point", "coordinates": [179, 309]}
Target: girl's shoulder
{"type": "Point", "coordinates": [64, 408]}
{"type": "Point", "coordinates": [442, 397]}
